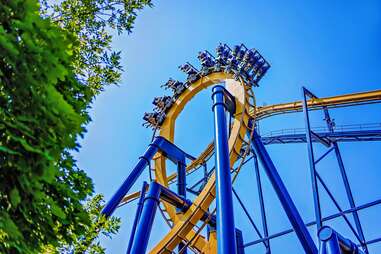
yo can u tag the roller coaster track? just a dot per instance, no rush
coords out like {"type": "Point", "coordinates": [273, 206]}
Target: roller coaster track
{"type": "Point", "coordinates": [259, 113]}
{"type": "Point", "coordinates": [318, 103]}
{"type": "Point", "coordinates": [185, 223]}
{"type": "Point", "coordinates": [184, 227]}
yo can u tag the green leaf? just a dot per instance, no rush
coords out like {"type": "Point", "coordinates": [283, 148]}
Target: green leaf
{"type": "Point", "coordinates": [57, 211]}
{"type": "Point", "coordinates": [14, 196]}
{"type": "Point", "coordinates": [49, 174]}
{"type": "Point", "coordinates": [7, 150]}
{"type": "Point", "coordinates": [9, 226]}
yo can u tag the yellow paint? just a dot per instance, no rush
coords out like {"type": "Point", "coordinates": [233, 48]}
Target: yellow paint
{"type": "Point", "coordinates": [331, 102]}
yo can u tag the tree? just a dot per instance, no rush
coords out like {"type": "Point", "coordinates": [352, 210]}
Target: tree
{"type": "Point", "coordinates": [53, 61]}
{"type": "Point", "coordinates": [43, 110]}
{"type": "Point", "coordinates": [95, 63]}
{"type": "Point", "coordinates": [88, 242]}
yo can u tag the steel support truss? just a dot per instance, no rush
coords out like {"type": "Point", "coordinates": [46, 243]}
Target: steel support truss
{"type": "Point", "coordinates": [332, 144]}
{"type": "Point", "coordinates": [330, 137]}
{"type": "Point", "coordinates": [147, 211]}
{"type": "Point", "coordinates": [230, 239]}
{"type": "Point", "coordinates": [329, 240]}
{"type": "Point", "coordinates": [298, 226]}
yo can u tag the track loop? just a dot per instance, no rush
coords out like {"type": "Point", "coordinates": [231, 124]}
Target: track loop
{"type": "Point", "coordinates": [184, 224]}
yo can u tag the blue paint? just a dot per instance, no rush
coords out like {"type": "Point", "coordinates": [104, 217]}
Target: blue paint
{"type": "Point", "coordinates": [331, 242]}
{"type": "Point", "coordinates": [110, 207]}
{"type": "Point", "coordinates": [170, 150]}
{"type": "Point", "coordinates": [311, 158]}
{"type": "Point", "coordinates": [283, 195]}
{"type": "Point", "coordinates": [224, 201]}
{"type": "Point", "coordinates": [151, 202]}
{"type": "Point", "coordinates": [137, 216]}
{"type": "Point", "coordinates": [339, 136]}
{"type": "Point", "coordinates": [181, 190]}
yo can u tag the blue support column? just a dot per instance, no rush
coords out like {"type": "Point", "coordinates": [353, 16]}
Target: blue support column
{"type": "Point", "coordinates": [177, 156]}
{"type": "Point", "coordinates": [315, 190]}
{"type": "Point", "coordinates": [283, 195]}
{"type": "Point", "coordinates": [329, 243]}
{"type": "Point", "coordinates": [350, 196]}
{"type": "Point", "coordinates": [181, 190]}
{"type": "Point", "coordinates": [131, 179]}
{"type": "Point", "coordinates": [137, 216]}
{"type": "Point", "coordinates": [151, 202]}
{"type": "Point", "coordinates": [330, 125]}
{"type": "Point", "coordinates": [181, 179]}
{"type": "Point", "coordinates": [204, 183]}
{"type": "Point", "coordinates": [226, 239]}
{"type": "Point", "coordinates": [332, 242]}
{"type": "Point", "coordinates": [239, 240]}
{"type": "Point", "coordinates": [262, 204]}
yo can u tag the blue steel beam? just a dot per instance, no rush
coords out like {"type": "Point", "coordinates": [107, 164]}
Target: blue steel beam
{"type": "Point", "coordinates": [261, 203]}
{"type": "Point", "coordinates": [342, 136]}
{"type": "Point", "coordinates": [170, 150]}
{"type": "Point", "coordinates": [344, 176]}
{"type": "Point", "coordinates": [283, 195]}
{"type": "Point", "coordinates": [328, 218]}
{"type": "Point", "coordinates": [174, 153]}
{"type": "Point", "coordinates": [350, 196]}
{"type": "Point", "coordinates": [248, 215]}
{"type": "Point", "coordinates": [337, 205]}
{"type": "Point", "coordinates": [145, 217]}
{"type": "Point", "coordinates": [224, 201]}
{"type": "Point", "coordinates": [137, 216]}
{"type": "Point", "coordinates": [323, 141]}
{"type": "Point", "coordinates": [330, 125]}
{"type": "Point", "coordinates": [332, 242]}
{"type": "Point", "coordinates": [324, 155]}
{"type": "Point", "coordinates": [311, 157]}
{"type": "Point", "coordinates": [329, 243]}
{"type": "Point", "coordinates": [133, 176]}
{"type": "Point", "coordinates": [183, 204]}
{"type": "Point", "coordinates": [181, 180]}
{"type": "Point", "coordinates": [151, 202]}
{"type": "Point", "coordinates": [182, 191]}
{"type": "Point", "coordinates": [239, 242]}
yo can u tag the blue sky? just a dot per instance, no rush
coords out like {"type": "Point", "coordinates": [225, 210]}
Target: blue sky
{"type": "Point", "coordinates": [331, 47]}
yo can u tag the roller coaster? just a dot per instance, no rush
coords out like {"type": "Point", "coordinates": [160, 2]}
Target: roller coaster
{"type": "Point", "coordinates": [205, 224]}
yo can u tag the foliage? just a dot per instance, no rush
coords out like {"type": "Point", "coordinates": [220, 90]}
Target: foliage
{"type": "Point", "coordinates": [49, 76]}
{"type": "Point", "coordinates": [43, 110]}
{"type": "Point", "coordinates": [88, 242]}
{"type": "Point", "coordinates": [92, 21]}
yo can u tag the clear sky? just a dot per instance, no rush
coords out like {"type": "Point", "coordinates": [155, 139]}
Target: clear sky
{"type": "Point", "coordinates": [331, 47]}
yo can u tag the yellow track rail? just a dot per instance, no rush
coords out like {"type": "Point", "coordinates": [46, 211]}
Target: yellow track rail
{"type": "Point", "coordinates": [330, 102]}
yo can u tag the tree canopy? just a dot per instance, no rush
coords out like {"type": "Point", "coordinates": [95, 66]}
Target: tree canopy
{"type": "Point", "coordinates": [92, 21]}
{"type": "Point", "coordinates": [54, 59]}
{"type": "Point", "coordinates": [89, 242]}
